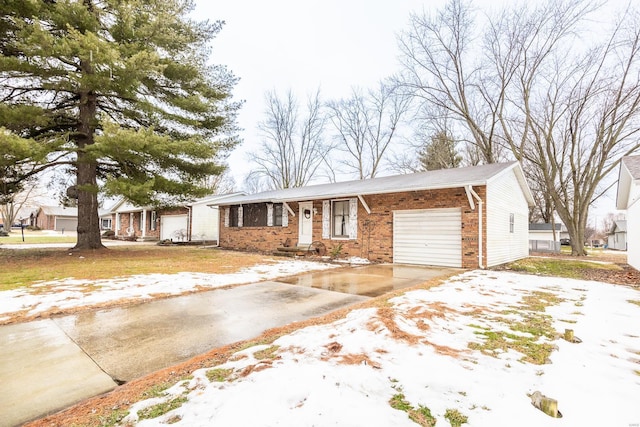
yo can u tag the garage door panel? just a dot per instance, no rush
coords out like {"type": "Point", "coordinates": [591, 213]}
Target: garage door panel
{"type": "Point", "coordinates": [173, 227]}
{"type": "Point", "coordinates": [67, 224]}
{"type": "Point", "coordinates": [428, 237]}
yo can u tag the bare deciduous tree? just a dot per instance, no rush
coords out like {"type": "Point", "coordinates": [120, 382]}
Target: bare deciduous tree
{"type": "Point", "coordinates": [530, 85]}
{"type": "Point", "coordinates": [365, 127]}
{"type": "Point", "coordinates": [293, 148]}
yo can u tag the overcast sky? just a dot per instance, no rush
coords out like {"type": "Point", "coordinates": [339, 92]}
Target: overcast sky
{"type": "Point", "coordinates": [303, 45]}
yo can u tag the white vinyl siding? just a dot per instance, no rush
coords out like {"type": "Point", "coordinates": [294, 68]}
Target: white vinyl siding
{"type": "Point", "coordinates": [428, 237]}
{"type": "Point", "coordinates": [633, 227]}
{"type": "Point", "coordinates": [205, 222]}
{"type": "Point", "coordinates": [504, 199]}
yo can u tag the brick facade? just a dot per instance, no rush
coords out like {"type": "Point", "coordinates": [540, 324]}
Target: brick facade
{"type": "Point", "coordinates": [375, 230]}
{"type": "Point", "coordinates": [133, 220]}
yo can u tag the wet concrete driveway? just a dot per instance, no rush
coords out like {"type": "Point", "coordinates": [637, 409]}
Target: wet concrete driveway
{"type": "Point", "coordinates": [50, 364]}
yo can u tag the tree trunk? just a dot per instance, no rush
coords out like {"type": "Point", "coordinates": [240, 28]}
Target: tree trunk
{"type": "Point", "coordinates": [88, 219]}
{"type": "Point", "coordinates": [86, 171]}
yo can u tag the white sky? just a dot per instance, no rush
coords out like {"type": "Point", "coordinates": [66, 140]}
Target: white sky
{"type": "Point", "coordinates": [303, 45]}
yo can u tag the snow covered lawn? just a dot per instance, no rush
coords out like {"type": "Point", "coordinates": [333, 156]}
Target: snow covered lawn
{"type": "Point", "coordinates": [471, 350]}
{"type": "Point", "coordinates": [72, 293]}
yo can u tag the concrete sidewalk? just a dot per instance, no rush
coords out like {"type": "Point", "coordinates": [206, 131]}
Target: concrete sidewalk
{"type": "Point", "coordinates": [43, 370]}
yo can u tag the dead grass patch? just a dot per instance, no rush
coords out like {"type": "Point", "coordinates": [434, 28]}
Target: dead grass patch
{"type": "Point", "coordinates": [358, 359]}
{"type": "Point", "coordinates": [30, 266]}
{"type": "Point", "coordinates": [386, 316]}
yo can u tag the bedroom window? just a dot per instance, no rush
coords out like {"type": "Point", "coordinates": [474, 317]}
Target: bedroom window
{"type": "Point", "coordinates": [277, 214]}
{"type": "Point", "coordinates": [233, 216]}
{"type": "Point", "coordinates": [340, 218]}
{"type": "Point", "coordinates": [154, 219]}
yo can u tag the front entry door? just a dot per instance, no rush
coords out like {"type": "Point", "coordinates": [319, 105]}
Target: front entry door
{"type": "Point", "coordinates": [305, 235]}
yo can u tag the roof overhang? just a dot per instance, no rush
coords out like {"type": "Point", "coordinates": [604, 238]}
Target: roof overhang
{"type": "Point", "coordinates": [625, 179]}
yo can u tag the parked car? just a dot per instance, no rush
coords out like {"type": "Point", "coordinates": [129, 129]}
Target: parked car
{"type": "Point", "coordinates": [565, 242]}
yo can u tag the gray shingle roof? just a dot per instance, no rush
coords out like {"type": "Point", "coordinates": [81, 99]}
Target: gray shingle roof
{"type": "Point", "coordinates": [59, 211]}
{"type": "Point", "coordinates": [633, 165]}
{"type": "Point", "coordinates": [629, 173]}
{"type": "Point", "coordinates": [544, 226]}
{"type": "Point", "coordinates": [431, 180]}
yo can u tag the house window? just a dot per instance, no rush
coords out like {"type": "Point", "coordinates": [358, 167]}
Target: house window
{"type": "Point", "coordinates": [277, 214]}
{"type": "Point", "coordinates": [106, 223]}
{"type": "Point", "coordinates": [511, 222]}
{"type": "Point", "coordinates": [154, 219]}
{"type": "Point", "coordinates": [340, 218]}
{"type": "Point", "coordinates": [254, 215]}
{"type": "Point", "coordinates": [233, 216]}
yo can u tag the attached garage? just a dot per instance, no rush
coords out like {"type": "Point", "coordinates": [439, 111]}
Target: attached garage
{"type": "Point", "coordinates": [428, 237]}
{"type": "Point", "coordinates": [174, 227]}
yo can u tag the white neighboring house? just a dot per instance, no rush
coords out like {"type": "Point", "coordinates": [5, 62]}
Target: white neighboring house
{"type": "Point", "coordinates": [544, 231]}
{"type": "Point", "coordinates": [542, 238]}
{"type": "Point", "coordinates": [617, 236]}
{"type": "Point", "coordinates": [628, 199]}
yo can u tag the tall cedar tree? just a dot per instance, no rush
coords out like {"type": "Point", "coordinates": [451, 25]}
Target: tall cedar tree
{"type": "Point", "coordinates": [118, 92]}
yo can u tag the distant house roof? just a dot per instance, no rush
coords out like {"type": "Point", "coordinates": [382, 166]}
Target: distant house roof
{"type": "Point", "coordinates": [629, 173]}
{"type": "Point", "coordinates": [619, 226]}
{"type": "Point", "coordinates": [544, 226]}
{"type": "Point", "coordinates": [431, 180]}
{"type": "Point", "coordinates": [59, 211]}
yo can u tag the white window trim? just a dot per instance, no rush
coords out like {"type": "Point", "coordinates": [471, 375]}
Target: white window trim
{"type": "Point", "coordinates": [352, 219]}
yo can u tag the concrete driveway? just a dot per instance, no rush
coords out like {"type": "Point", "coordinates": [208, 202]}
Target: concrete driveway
{"type": "Point", "coordinates": [51, 364]}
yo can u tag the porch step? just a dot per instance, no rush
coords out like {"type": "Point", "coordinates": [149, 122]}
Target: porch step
{"type": "Point", "coordinates": [295, 250]}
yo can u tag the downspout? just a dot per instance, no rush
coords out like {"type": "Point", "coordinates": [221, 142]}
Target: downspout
{"type": "Point", "coordinates": [470, 191]}
{"type": "Point", "coordinates": [189, 223]}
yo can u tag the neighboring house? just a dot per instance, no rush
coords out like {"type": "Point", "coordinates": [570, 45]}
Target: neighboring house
{"type": "Point", "coordinates": [628, 198]}
{"type": "Point", "coordinates": [56, 218]}
{"type": "Point", "coordinates": [197, 221]}
{"type": "Point", "coordinates": [466, 217]}
{"type": "Point", "coordinates": [617, 236]}
{"type": "Point", "coordinates": [134, 222]}
{"type": "Point", "coordinates": [544, 231]}
{"type": "Point", "coordinates": [543, 239]}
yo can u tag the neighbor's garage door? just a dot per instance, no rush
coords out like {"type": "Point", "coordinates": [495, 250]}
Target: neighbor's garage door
{"type": "Point", "coordinates": [173, 227]}
{"type": "Point", "coordinates": [66, 224]}
{"type": "Point", "coordinates": [428, 237]}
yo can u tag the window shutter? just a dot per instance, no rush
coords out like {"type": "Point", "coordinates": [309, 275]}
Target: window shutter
{"type": "Point", "coordinates": [240, 216]}
{"type": "Point", "coordinates": [269, 214]}
{"type": "Point", "coordinates": [285, 216]}
{"type": "Point", "coordinates": [326, 219]}
{"type": "Point", "coordinates": [226, 216]}
{"type": "Point", "coordinates": [353, 219]}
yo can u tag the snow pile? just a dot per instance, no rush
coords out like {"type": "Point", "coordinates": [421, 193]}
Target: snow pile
{"type": "Point", "coordinates": [70, 293]}
{"type": "Point", "coordinates": [430, 349]}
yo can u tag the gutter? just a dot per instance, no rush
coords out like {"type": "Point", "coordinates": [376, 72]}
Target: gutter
{"type": "Point", "coordinates": [470, 192]}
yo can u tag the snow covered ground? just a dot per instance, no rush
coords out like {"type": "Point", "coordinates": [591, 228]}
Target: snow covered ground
{"type": "Point", "coordinates": [459, 349]}
{"type": "Point", "coordinates": [71, 293]}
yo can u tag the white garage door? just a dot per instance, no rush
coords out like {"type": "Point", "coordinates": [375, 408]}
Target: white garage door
{"type": "Point", "coordinates": [428, 237]}
{"type": "Point", "coordinates": [66, 224]}
{"type": "Point", "coordinates": [173, 227]}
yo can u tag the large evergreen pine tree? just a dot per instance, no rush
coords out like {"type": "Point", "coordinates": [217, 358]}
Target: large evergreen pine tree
{"type": "Point", "coordinates": [117, 91]}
